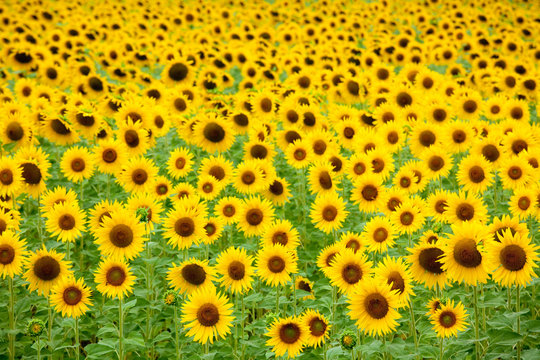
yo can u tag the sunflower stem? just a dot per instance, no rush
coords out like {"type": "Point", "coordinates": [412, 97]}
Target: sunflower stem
{"type": "Point", "coordinates": [476, 327]}
{"type": "Point", "coordinates": [334, 296]}
{"type": "Point", "coordinates": [242, 322]}
{"type": "Point", "coordinates": [49, 324]}
{"type": "Point", "coordinates": [385, 356]}
{"type": "Point", "coordinates": [483, 309]}
{"type": "Point", "coordinates": [236, 331]}
{"type": "Point", "coordinates": [509, 298]}
{"type": "Point", "coordinates": [352, 354]}
{"type": "Point", "coordinates": [277, 299]}
{"type": "Point", "coordinates": [77, 340]}
{"type": "Point", "coordinates": [149, 291]}
{"type": "Point", "coordinates": [120, 330]}
{"type": "Point", "coordinates": [518, 322]}
{"type": "Point", "coordinates": [413, 327]}
{"type": "Point", "coordinates": [176, 341]}
{"type": "Point", "coordinates": [39, 221]}
{"type": "Point", "coordinates": [67, 251]}
{"type": "Point", "coordinates": [11, 319]}
{"type": "Point", "coordinates": [441, 348]}
{"type": "Point", "coordinates": [294, 293]}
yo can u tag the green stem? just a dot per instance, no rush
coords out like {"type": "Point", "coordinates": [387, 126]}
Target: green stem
{"type": "Point", "coordinates": [413, 327]}
{"type": "Point", "coordinates": [242, 322]}
{"type": "Point", "coordinates": [50, 323]}
{"type": "Point", "coordinates": [176, 342]}
{"type": "Point", "coordinates": [39, 221]}
{"type": "Point", "coordinates": [120, 331]}
{"type": "Point", "coordinates": [149, 292]}
{"type": "Point", "coordinates": [294, 294]}
{"type": "Point", "coordinates": [77, 340]}
{"type": "Point", "coordinates": [509, 298]}
{"type": "Point", "coordinates": [67, 251]}
{"type": "Point", "coordinates": [277, 300]}
{"type": "Point", "coordinates": [384, 345]}
{"type": "Point", "coordinates": [476, 326]}
{"type": "Point", "coordinates": [441, 348]}
{"type": "Point", "coordinates": [334, 297]}
{"type": "Point", "coordinates": [518, 322]}
{"type": "Point", "coordinates": [38, 349]}
{"type": "Point", "coordinates": [483, 309]}
{"type": "Point", "coordinates": [11, 319]}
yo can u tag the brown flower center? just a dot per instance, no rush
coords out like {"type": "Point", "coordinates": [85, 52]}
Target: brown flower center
{"type": "Point", "coordinates": [490, 152]}
{"type": "Point", "coordinates": [429, 260]}
{"type": "Point", "coordinates": [329, 213]}
{"type": "Point", "coordinates": [85, 120]}
{"type": "Point", "coordinates": [276, 188]}
{"type": "Point", "coordinates": [380, 235]}
{"type": "Point", "coordinates": [359, 168]}
{"type": "Point", "coordinates": [266, 105]}
{"type": "Point", "coordinates": [319, 147]}
{"type": "Point", "coordinates": [276, 264]}
{"type": "Point", "coordinates": [440, 206]}
{"type": "Point", "coordinates": [466, 254]}
{"type": "Point", "coordinates": [214, 132]}
{"type": "Point", "coordinates": [289, 333]}
{"type": "Point", "coordinates": [427, 138]}
{"type": "Point", "coordinates": [248, 177]}
{"type": "Point", "coordinates": [259, 151]}
{"type": "Point", "coordinates": [66, 222]}
{"type": "Point", "coordinates": [376, 305]}
{"type": "Point", "coordinates": [121, 236]}
{"type": "Point", "coordinates": [406, 218]}
{"type": "Point", "coordinates": [476, 174]}
{"type": "Point", "coordinates": [436, 163]}
{"type": "Point", "coordinates": [459, 136]}
{"type": "Point", "coordinates": [393, 203]}
{"type": "Point", "coordinates": [370, 192]}
{"type": "Point", "coordinates": [254, 217]}
{"type": "Point", "coordinates": [46, 268]}
{"type": "Point", "coordinates": [447, 319]}
{"type": "Point", "coordinates": [470, 106]}
{"type": "Point", "coordinates": [59, 127]}
{"type": "Point", "coordinates": [465, 212]}
{"type": "Point", "coordinates": [317, 327]}
{"type": "Point", "coordinates": [208, 315]}
{"type": "Point", "coordinates": [178, 72]}
{"type": "Point", "coordinates": [78, 165]}
{"type": "Point", "coordinates": [513, 257]}
{"type": "Point", "coordinates": [392, 137]}
{"type": "Point", "coordinates": [180, 163]}
{"type": "Point", "coordinates": [303, 285]}
{"type": "Point", "coordinates": [184, 226]}
{"type": "Point", "coordinates": [14, 131]}
{"type": "Point", "coordinates": [194, 274]}
{"type": "Point", "coordinates": [515, 172]}
{"type": "Point", "coordinates": [109, 155]}
{"type": "Point", "coordinates": [72, 295]}
{"type": "Point", "coordinates": [139, 176]}
{"type": "Point", "coordinates": [31, 173]}
{"type": "Point", "coordinates": [236, 270]}
{"type": "Point", "coordinates": [524, 203]}
{"type": "Point", "coordinates": [300, 154]}
{"type": "Point", "coordinates": [325, 180]}
{"type": "Point", "coordinates": [351, 273]}
{"type": "Point", "coordinates": [396, 281]}
{"type": "Point", "coordinates": [6, 177]}
{"type": "Point", "coordinates": [132, 138]}
{"type": "Point", "coordinates": [229, 210]}
{"type": "Point", "coordinates": [7, 254]}
{"type": "Point", "coordinates": [403, 99]}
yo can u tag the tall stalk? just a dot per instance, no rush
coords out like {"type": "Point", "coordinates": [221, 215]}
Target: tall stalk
{"type": "Point", "coordinates": [77, 339]}
{"type": "Point", "coordinates": [120, 331]}
{"type": "Point", "coordinates": [476, 325]}
{"type": "Point", "coordinates": [413, 326]}
{"type": "Point", "coordinates": [11, 319]}
{"type": "Point", "coordinates": [518, 320]}
{"type": "Point", "coordinates": [176, 342]}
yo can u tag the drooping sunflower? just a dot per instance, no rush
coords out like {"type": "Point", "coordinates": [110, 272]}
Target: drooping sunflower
{"type": "Point", "coordinates": [328, 212]}
{"type": "Point", "coordinates": [183, 191]}
{"type": "Point", "coordinates": [433, 305]}
{"type": "Point", "coordinates": [465, 207]}
{"type": "Point", "coordinates": [379, 234]}
{"type": "Point", "coordinates": [71, 297]}
{"type": "Point", "coordinates": [288, 335]}
{"type": "Point", "coordinates": [426, 265]}
{"type": "Point", "coordinates": [437, 204]}
{"type": "Point", "coordinates": [66, 221]}
{"type": "Point", "coordinates": [121, 236]}
{"type": "Point", "coordinates": [213, 133]}
{"type": "Point", "coordinates": [56, 196]}
{"type": "Point", "coordinates": [464, 258]}
{"type": "Point", "coordinates": [180, 163]}
{"type": "Point", "coordinates": [275, 264]}
{"type": "Point", "coordinates": [348, 270]}
{"type": "Point", "coordinates": [281, 232]}
{"type": "Point", "coordinates": [191, 275]}
{"type": "Point", "coordinates": [318, 325]}
{"type": "Point", "coordinates": [236, 270]}
{"type": "Point", "coordinates": [13, 254]}
{"type": "Point", "coordinates": [449, 319]}
{"type": "Point", "coordinates": [184, 226]}
{"type": "Point", "coordinates": [500, 224]}
{"type": "Point", "coordinates": [133, 137]}
{"type": "Point", "coordinates": [374, 307]}
{"type": "Point", "coordinates": [395, 272]}
{"type": "Point", "coordinates": [77, 164]}
{"type": "Point", "coordinates": [278, 191]}
{"type": "Point", "coordinates": [475, 173]}
{"type": "Point", "coordinates": [207, 315]}
{"type": "Point", "coordinates": [114, 278]}
{"type": "Point", "coordinates": [138, 175]}
{"type": "Point", "coordinates": [45, 269]}
{"type": "Point", "coordinates": [321, 178]}
{"type": "Point", "coordinates": [255, 215]}
{"type": "Point", "coordinates": [228, 209]}
{"type": "Point", "coordinates": [512, 259]}
{"type": "Point", "coordinates": [10, 176]}
{"type": "Point", "coordinates": [304, 284]}
{"type": "Point", "coordinates": [381, 162]}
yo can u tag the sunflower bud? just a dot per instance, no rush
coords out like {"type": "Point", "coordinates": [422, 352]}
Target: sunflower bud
{"type": "Point", "coordinates": [348, 339]}
{"type": "Point", "coordinates": [170, 297]}
{"type": "Point", "coordinates": [35, 327]}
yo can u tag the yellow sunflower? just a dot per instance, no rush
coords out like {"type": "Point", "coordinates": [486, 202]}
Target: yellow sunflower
{"type": "Point", "coordinates": [11, 179]}
{"type": "Point", "coordinates": [255, 215]}
{"type": "Point", "coordinates": [180, 163]}
{"type": "Point", "coordinates": [275, 264]}
{"type": "Point", "coordinates": [138, 175]}
{"type": "Point", "coordinates": [213, 133]}
{"type": "Point", "coordinates": [236, 270]}
{"type": "Point", "coordinates": [228, 209]}
{"type": "Point", "coordinates": [408, 217]}
{"type": "Point", "coordinates": [426, 265]}
{"type": "Point", "coordinates": [379, 234]}
{"type": "Point", "coordinates": [65, 221]}
{"type": "Point", "coordinates": [318, 325]}
{"type": "Point", "coordinates": [281, 232]}
{"type": "Point", "coordinates": [191, 275]}
{"type": "Point", "coordinates": [109, 156]}
{"type": "Point", "coordinates": [328, 212]}
{"type": "Point", "coordinates": [288, 335]}
{"type": "Point", "coordinates": [465, 207]}
{"type": "Point", "coordinates": [449, 319]}
{"type": "Point", "coordinates": [475, 174]}
{"type": "Point", "coordinates": [13, 254]}
{"type": "Point", "coordinates": [114, 278]}
{"type": "Point", "coordinates": [71, 297]}
{"type": "Point", "coordinates": [368, 193]}
{"type": "Point", "coordinates": [35, 169]}
{"type": "Point", "coordinates": [184, 226]}
{"type": "Point", "coordinates": [45, 269]}
{"type": "Point", "coordinates": [348, 270]}
{"type": "Point", "coordinates": [395, 272]}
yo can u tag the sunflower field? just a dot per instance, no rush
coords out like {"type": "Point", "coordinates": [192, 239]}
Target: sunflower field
{"type": "Point", "coordinates": [245, 180]}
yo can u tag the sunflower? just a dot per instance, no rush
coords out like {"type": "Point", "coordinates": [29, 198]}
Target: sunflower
{"type": "Point", "coordinates": [275, 264]}
{"type": "Point", "coordinates": [180, 163]}
{"type": "Point", "coordinates": [468, 104]}
{"type": "Point", "coordinates": [298, 154]}
{"type": "Point", "coordinates": [228, 209]}
{"type": "Point", "coordinates": [395, 272]}
{"type": "Point", "coordinates": [100, 211]}
{"type": "Point", "coordinates": [207, 315]}
{"type": "Point", "coordinates": [433, 305]}
{"type": "Point", "coordinates": [109, 156]}
{"type": "Point", "coordinates": [162, 187]}
{"type": "Point", "coordinates": [133, 137]}
{"type": "Point", "coordinates": [77, 164]}
{"type": "Point", "coordinates": [408, 217]}
{"type": "Point", "coordinates": [218, 167]}
{"type": "Point", "coordinates": [304, 284]}
{"type": "Point", "coordinates": [318, 325]}
{"type": "Point", "coordinates": [13, 254]}
{"type": "Point", "coordinates": [436, 205]}
{"type": "Point", "coordinates": [426, 266]}
{"type": "Point", "coordinates": [213, 133]}
{"type": "Point", "coordinates": [424, 136]}
{"type": "Point", "coordinates": [35, 169]}
{"type": "Point", "coordinates": [236, 270]}
{"type": "Point", "coordinates": [249, 177]}
{"type": "Point", "coordinates": [437, 161]}
{"type": "Point", "coordinates": [66, 221]}
{"type": "Point", "coordinates": [328, 212]}
{"type": "Point", "coordinates": [521, 203]}
{"type": "Point", "coordinates": [464, 253]}
{"type": "Point", "coordinates": [515, 172]}
{"type": "Point", "coordinates": [374, 307]}
{"type": "Point", "coordinates": [151, 206]}
{"type": "Point", "coordinates": [57, 130]}
{"type": "Point", "coordinates": [208, 187]}
{"type": "Point", "coordinates": [11, 179]}
{"type": "Point", "coordinates": [322, 178]}
{"type": "Point", "coordinates": [327, 256]}
{"type": "Point", "coordinates": [260, 150]}
{"type": "Point", "coordinates": [183, 191]}
{"type": "Point", "coordinates": [457, 136]}
{"type": "Point", "coordinates": [281, 232]}
{"type": "Point", "coordinates": [465, 207]}
{"type": "Point", "coordinates": [379, 234]}
{"type": "Point", "coordinates": [138, 175]}
{"type": "Point", "coordinates": [381, 162]}
{"type": "Point", "coordinates": [45, 269]}
{"type": "Point", "coordinates": [449, 319]}
{"type": "Point", "coordinates": [348, 270]}
{"type": "Point", "coordinates": [120, 236]}
{"type": "Point", "coordinates": [16, 130]}
{"type": "Point", "coordinates": [114, 278]}
{"type": "Point", "coordinates": [278, 191]}
{"type": "Point", "coordinates": [191, 275]}
{"type": "Point", "coordinates": [512, 259]}
{"type": "Point", "coordinates": [71, 297]}
{"type": "Point", "coordinates": [178, 71]}
{"type": "Point", "coordinates": [490, 148]}
{"type": "Point", "coordinates": [475, 174]}
{"type": "Point", "coordinates": [255, 215]}
{"type": "Point", "coordinates": [288, 335]}
{"type": "Point", "coordinates": [357, 166]}
{"type": "Point", "coordinates": [405, 179]}
{"type": "Point", "coordinates": [213, 228]}
{"type": "Point", "coordinates": [184, 226]}
{"type": "Point", "coordinates": [368, 193]}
